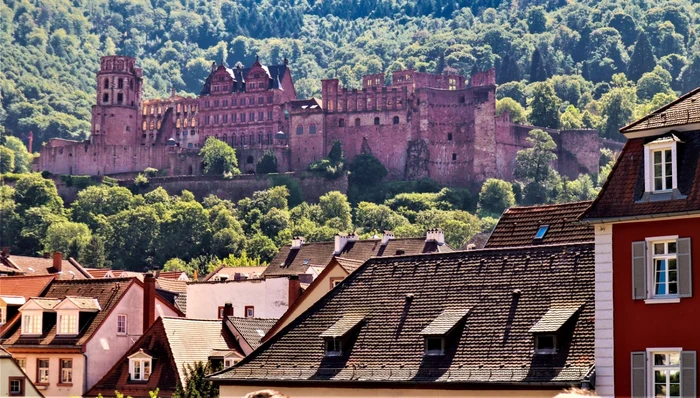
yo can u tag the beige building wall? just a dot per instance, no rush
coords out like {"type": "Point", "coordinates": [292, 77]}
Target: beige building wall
{"type": "Point", "coordinates": [300, 392]}
{"type": "Point", "coordinates": [8, 368]}
{"type": "Point", "coordinates": [53, 389]}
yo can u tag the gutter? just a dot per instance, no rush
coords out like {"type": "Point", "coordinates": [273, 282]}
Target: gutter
{"type": "Point", "coordinates": [639, 218]}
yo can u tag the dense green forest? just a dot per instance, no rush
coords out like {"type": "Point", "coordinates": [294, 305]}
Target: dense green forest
{"type": "Point", "coordinates": [559, 63]}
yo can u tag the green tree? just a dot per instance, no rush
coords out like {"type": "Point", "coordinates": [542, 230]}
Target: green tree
{"type": "Point", "coordinates": [373, 217]}
{"type": "Point", "coordinates": [262, 247]}
{"type": "Point", "coordinates": [690, 75]}
{"type": "Point", "coordinates": [572, 118]}
{"type": "Point", "coordinates": [100, 200]}
{"type": "Point", "coordinates": [495, 196]}
{"type": "Point", "coordinates": [367, 170]}
{"type": "Point", "coordinates": [196, 385]}
{"type": "Point", "coordinates": [132, 237]}
{"type": "Point", "coordinates": [509, 70]}
{"type": "Point", "coordinates": [544, 107]}
{"type": "Point", "coordinates": [61, 235]}
{"type": "Point", "coordinates": [33, 190]}
{"type": "Point", "coordinates": [218, 157]}
{"type": "Point", "coordinates": [23, 158]}
{"type": "Point", "coordinates": [184, 230]}
{"type": "Point", "coordinates": [267, 163]}
{"type": "Point", "coordinates": [642, 60]}
{"type": "Point", "coordinates": [93, 253]}
{"type": "Point", "coordinates": [534, 164]}
{"type": "Point", "coordinates": [176, 264]}
{"type": "Point", "coordinates": [335, 206]}
{"type": "Point", "coordinates": [7, 160]}
{"type": "Point", "coordinates": [336, 154]}
{"type": "Point", "coordinates": [538, 69]}
{"type": "Point", "coordinates": [654, 82]}
{"type": "Point", "coordinates": [617, 107]}
{"type": "Point", "coordinates": [514, 109]}
{"type": "Point", "coordinates": [536, 19]}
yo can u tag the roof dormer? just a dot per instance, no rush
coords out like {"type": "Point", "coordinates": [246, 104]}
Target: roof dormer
{"type": "Point", "coordinates": [33, 314]}
{"type": "Point", "coordinates": [140, 366]}
{"type": "Point", "coordinates": [68, 313]}
{"type": "Point", "coordinates": [547, 332]}
{"type": "Point", "coordinates": [661, 169]}
{"type": "Point", "coordinates": [436, 334]}
{"type": "Point", "coordinates": [9, 301]}
{"type": "Point", "coordinates": [337, 337]}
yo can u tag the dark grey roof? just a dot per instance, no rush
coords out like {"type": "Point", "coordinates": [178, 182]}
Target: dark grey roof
{"type": "Point", "coordinates": [252, 329]}
{"type": "Point", "coordinates": [275, 72]}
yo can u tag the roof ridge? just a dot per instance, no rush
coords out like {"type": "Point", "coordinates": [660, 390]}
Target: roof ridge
{"type": "Point", "coordinates": [565, 204]}
{"type": "Point", "coordinates": [179, 318]}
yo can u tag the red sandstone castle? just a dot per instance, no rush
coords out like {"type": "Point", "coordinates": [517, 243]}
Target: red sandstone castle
{"type": "Point", "coordinates": [422, 125]}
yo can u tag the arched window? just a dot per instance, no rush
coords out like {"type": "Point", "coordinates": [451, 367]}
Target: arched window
{"type": "Point", "coordinates": [250, 139]}
{"type": "Point", "coordinates": [177, 123]}
{"type": "Point", "coordinates": [376, 121]}
{"type": "Point", "coordinates": [269, 138]}
{"type": "Point", "coordinates": [120, 83]}
{"type": "Point", "coordinates": [160, 110]}
{"type": "Point", "coordinates": [194, 122]}
{"type": "Point", "coordinates": [153, 109]}
{"type": "Point", "coordinates": [145, 110]}
{"type": "Point", "coordinates": [179, 108]}
{"type": "Point", "coordinates": [300, 130]}
{"type": "Point", "coordinates": [312, 129]}
{"type": "Point", "coordinates": [158, 124]}
{"type": "Point", "coordinates": [250, 159]}
{"type": "Point", "coordinates": [153, 125]}
{"type": "Point", "coordinates": [341, 122]}
{"type": "Point", "coordinates": [106, 83]}
{"type": "Point", "coordinates": [184, 122]}
{"type": "Point", "coordinates": [145, 125]}
{"type": "Point", "coordinates": [396, 120]}
{"type": "Point", "coordinates": [357, 121]}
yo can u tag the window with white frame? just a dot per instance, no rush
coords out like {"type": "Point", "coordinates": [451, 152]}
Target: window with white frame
{"type": "Point", "coordinates": [664, 267]}
{"type": "Point", "coordinates": [31, 323]}
{"type": "Point", "coordinates": [663, 169]}
{"type": "Point", "coordinates": [3, 315]}
{"type": "Point", "coordinates": [228, 362]}
{"type": "Point", "coordinates": [42, 366]}
{"type": "Point", "coordinates": [121, 324]}
{"type": "Point", "coordinates": [661, 166]}
{"type": "Point", "coordinates": [66, 376]}
{"type": "Point", "coordinates": [666, 374]}
{"type": "Point", "coordinates": [334, 347]}
{"type": "Point", "coordinates": [68, 324]}
{"type": "Point", "coordinates": [140, 368]}
{"type": "Point", "coordinates": [16, 386]}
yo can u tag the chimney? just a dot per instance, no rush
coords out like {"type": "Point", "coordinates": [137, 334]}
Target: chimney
{"type": "Point", "coordinates": [435, 235]}
{"type": "Point", "coordinates": [58, 262]}
{"type": "Point", "coordinates": [294, 290]}
{"type": "Point", "coordinates": [386, 237]}
{"type": "Point", "coordinates": [149, 301]}
{"type": "Point", "coordinates": [5, 252]}
{"type": "Point", "coordinates": [340, 241]}
{"type": "Point", "coordinates": [237, 276]}
{"type": "Point", "coordinates": [228, 310]}
{"type": "Point", "coordinates": [297, 241]}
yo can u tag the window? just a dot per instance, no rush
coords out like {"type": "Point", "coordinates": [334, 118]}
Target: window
{"type": "Point", "coordinates": [31, 324]}
{"type": "Point", "coordinates": [220, 312]}
{"type": "Point", "coordinates": [357, 121]}
{"type": "Point", "coordinates": [3, 315]}
{"type": "Point", "coordinates": [120, 83]}
{"type": "Point", "coordinates": [121, 324]}
{"type": "Point", "coordinates": [260, 138]}
{"type": "Point", "coordinates": [269, 115]}
{"type": "Point", "coordinates": [22, 363]}
{"type": "Point", "coordinates": [545, 344]}
{"type": "Point", "coordinates": [251, 101]}
{"type": "Point", "coordinates": [140, 369]}
{"type": "Point", "coordinates": [224, 103]}
{"type": "Point", "coordinates": [251, 116]}
{"type": "Point", "coordinates": [449, 136]}
{"type": "Point", "coordinates": [68, 324]}
{"type": "Point", "coordinates": [120, 98]}
{"type": "Point", "coordinates": [665, 268]}
{"type": "Point", "coordinates": [194, 122]}
{"type": "Point", "coordinates": [396, 120]}
{"type": "Point", "coordinates": [454, 156]}
{"type": "Point", "coordinates": [177, 123]}
{"type": "Point", "coordinates": [66, 376]}
{"type": "Point", "coordinates": [376, 121]}
{"type": "Point", "coordinates": [42, 371]}
{"type": "Point", "coordinates": [541, 232]}
{"type": "Point", "coordinates": [144, 126]}
{"type": "Point", "coordinates": [341, 122]}
{"type": "Point", "coordinates": [16, 386]}
{"type": "Point", "coordinates": [206, 119]}
{"type": "Point", "coordinates": [261, 100]}
{"type": "Point", "coordinates": [269, 99]}
{"type": "Point", "coordinates": [105, 97]}
{"type": "Point", "coordinates": [335, 282]}
{"type": "Point", "coordinates": [334, 347]}
{"type": "Point", "coordinates": [249, 311]}
{"type": "Point", "coordinates": [228, 362]}
{"type": "Point", "coordinates": [663, 170]}
{"type": "Point", "coordinates": [666, 374]}
{"type": "Point", "coordinates": [660, 163]}
{"type": "Point", "coordinates": [106, 83]}
{"type": "Point", "coordinates": [261, 116]}
{"type": "Point", "coordinates": [224, 119]}
{"type": "Point", "coordinates": [453, 84]}
{"type": "Point", "coordinates": [312, 129]}
{"type": "Point", "coordinates": [434, 345]}
{"type": "Point", "coordinates": [300, 130]}
{"type": "Point", "coordinates": [242, 117]}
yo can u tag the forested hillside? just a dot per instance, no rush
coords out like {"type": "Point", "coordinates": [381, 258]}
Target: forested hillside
{"type": "Point", "coordinates": [604, 62]}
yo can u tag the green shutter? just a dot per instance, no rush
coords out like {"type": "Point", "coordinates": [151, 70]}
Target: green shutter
{"type": "Point", "coordinates": [639, 374]}
{"type": "Point", "coordinates": [688, 374]}
{"type": "Point", "coordinates": [685, 268]}
{"type": "Point", "coordinates": [639, 270]}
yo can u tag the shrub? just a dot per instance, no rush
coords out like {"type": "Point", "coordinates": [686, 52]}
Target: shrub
{"type": "Point", "coordinates": [150, 172]}
{"type": "Point", "coordinates": [141, 181]}
{"type": "Point", "coordinates": [367, 170]}
{"type": "Point", "coordinates": [267, 163]}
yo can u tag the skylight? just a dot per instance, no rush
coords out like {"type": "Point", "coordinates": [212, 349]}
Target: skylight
{"type": "Point", "coordinates": [541, 232]}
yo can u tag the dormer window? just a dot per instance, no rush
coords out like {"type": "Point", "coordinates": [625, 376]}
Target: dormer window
{"type": "Point", "coordinates": [68, 323]}
{"type": "Point", "coordinates": [334, 347]}
{"type": "Point", "coordinates": [546, 331]}
{"type": "Point", "coordinates": [339, 333]}
{"type": "Point", "coordinates": [434, 346]}
{"type": "Point", "coordinates": [436, 334]}
{"type": "Point", "coordinates": [68, 313]}
{"type": "Point", "coordinates": [140, 365]}
{"type": "Point", "coordinates": [661, 166]}
{"type": "Point", "coordinates": [546, 344]}
{"type": "Point", "coordinates": [31, 323]}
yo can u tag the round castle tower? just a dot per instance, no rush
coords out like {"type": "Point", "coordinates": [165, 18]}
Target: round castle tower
{"type": "Point", "coordinates": [115, 117]}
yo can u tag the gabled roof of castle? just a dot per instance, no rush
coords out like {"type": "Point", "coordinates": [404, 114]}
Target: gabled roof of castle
{"type": "Point", "coordinates": [275, 74]}
{"type": "Point", "coordinates": [518, 225]}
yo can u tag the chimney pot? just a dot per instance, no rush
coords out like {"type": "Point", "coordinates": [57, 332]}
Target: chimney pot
{"type": "Point", "coordinates": [149, 301]}
{"type": "Point", "coordinates": [435, 235]}
{"type": "Point", "coordinates": [58, 261]}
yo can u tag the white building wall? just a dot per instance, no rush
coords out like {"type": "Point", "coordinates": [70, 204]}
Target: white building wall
{"type": "Point", "coordinates": [106, 347]}
{"type": "Point", "coordinates": [270, 297]}
{"type": "Point", "coordinates": [604, 365]}
{"type": "Point", "coordinates": [8, 368]}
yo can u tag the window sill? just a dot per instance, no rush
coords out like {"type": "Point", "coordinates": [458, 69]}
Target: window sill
{"type": "Point", "coordinates": [64, 384]}
{"type": "Point", "coordinates": [672, 300]}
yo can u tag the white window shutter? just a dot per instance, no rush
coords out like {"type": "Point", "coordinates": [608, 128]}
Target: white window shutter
{"type": "Point", "coordinates": [639, 270]}
{"type": "Point", "coordinates": [685, 268]}
{"type": "Point", "coordinates": [639, 374]}
{"type": "Point", "coordinates": [688, 374]}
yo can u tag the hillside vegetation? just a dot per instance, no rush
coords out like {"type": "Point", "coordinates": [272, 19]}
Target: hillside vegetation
{"type": "Point", "coordinates": [560, 63]}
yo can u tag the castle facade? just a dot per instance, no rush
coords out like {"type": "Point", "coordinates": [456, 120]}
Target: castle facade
{"type": "Point", "coordinates": [438, 126]}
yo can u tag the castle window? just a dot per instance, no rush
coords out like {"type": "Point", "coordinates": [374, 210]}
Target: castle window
{"type": "Point", "coordinates": [357, 121]}
{"type": "Point", "coordinates": [233, 118]}
{"type": "Point", "coordinates": [250, 158]}
{"type": "Point", "coordinates": [153, 125]}
{"type": "Point", "coordinates": [157, 125]}
{"type": "Point", "coordinates": [224, 119]}
{"type": "Point", "coordinates": [216, 103]}
{"type": "Point", "coordinates": [250, 140]}
{"type": "Point", "coordinates": [225, 139]}
{"type": "Point", "coordinates": [341, 122]}
{"type": "Point", "coordinates": [234, 102]}
{"type": "Point", "coordinates": [178, 108]}
{"type": "Point", "coordinates": [233, 139]}
{"type": "Point", "coordinates": [242, 117]}
{"type": "Point", "coordinates": [120, 98]}
{"type": "Point", "coordinates": [260, 138]}
{"type": "Point", "coordinates": [131, 84]}
{"type": "Point", "coordinates": [454, 156]}
{"type": "Point", "coordinates": [216, 119]}
{"type": "Point", "coordinates": [206, 119]}
{"type": "Point", "coordinates": [269, 99]}
{"type": "Point", "coordinates": [453, 83]}
{"type": "Point", "coordinates": [193, 107]}
{"type": "Point", "coordinates": [300, 130]}
{"type": "Point", "coordinates": [145, 125]}
{"type": "Point", "coordinates": [184, 122]}
{"type": "Point", "coordinates": [207, 104]}
{"type": "Point", "coordinates": [312, 129]}
{"type": "Point", "coordinates": [120, 83]}
{"type": "Point", "coordinates": [269, 115]}
{"type": "Point", "coordinates": [145, 110]}
{"type": "Point", "coordinates": [461, 99]}
{"type": "Point", "coordinates": [224, 103]}
{"type": "Point", "coordinates": [153, 110]}
{"type": "Point", "coordinates": [449, 136]}
{"type": "Point", "coordinates": [105, 97]}
{"type": "Point", "coordinates": [269, 138]}
{"type": "Point", "coordinates": [194, 122]}
{"type": "Point", "coordinates": [376, 121]}
{"type": "Point", "coordinates": [106, 83]}
{"type": "Point", "coordinates": [396, 120]}
{"type": "Point", "coordinates": [261, 100]}
{"type": "Point", "coordinates": [251, 101]}
{"type": "Point", "coordinates": [216, 88]}
{"type": "Point", "coordinates": [261, 116]}
{"type": "Point", "coordinates": [160, 109]}
{"type": "Point", "coordinates": [177, 123]}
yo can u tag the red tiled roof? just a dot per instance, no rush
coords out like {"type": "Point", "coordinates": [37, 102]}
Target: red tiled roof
{"type": "Point", "coordinates": [98, 272]}
{"type": "Point", "coordinates": [518, 225]}
{"type": "Point", "coordinates": [684, 110]}
{"type": "Point", "coordinates": [26, 286]}
{"type": "Point", "coordinates": [248, 272]}
{"type": "Point", "coordinates": [44, 266]}
{"type": "Point", "coordinates": [171, 274]}
{"type": "Point", "coordinates": [621, 194]}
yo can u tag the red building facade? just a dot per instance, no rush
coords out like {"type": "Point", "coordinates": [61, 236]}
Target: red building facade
{"type": "Point", "coordinates": [647, 224]}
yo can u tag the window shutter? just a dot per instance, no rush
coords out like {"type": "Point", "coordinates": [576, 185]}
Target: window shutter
{"type": "Point", "coordinates": [639, 374]}
{"type": "Point", "coordinates": [685, 268]}
{"type": "Point", "coordinates": [688, 374]}
{"type": "Point", "coordinates": [639, 270]}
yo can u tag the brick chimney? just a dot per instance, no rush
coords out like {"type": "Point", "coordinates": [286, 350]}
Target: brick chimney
{"type": "Point", "coordinates": [386, 237]}
{"type": "Point", "coordinates": [294, 290]}
{"type": "Point", "coordinates": [149, 301]}
{"type": "Point", "coordinates": [435, 235]}
{"type": "Point", "coordinates": [58, 262]}
{"type": "Point", "coordinates": [228, 310]}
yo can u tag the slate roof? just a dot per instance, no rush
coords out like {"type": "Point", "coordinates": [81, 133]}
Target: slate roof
{"type": "Point", "coordinates": [684, 110]}
{"type": "Point", "coordinates": [518, 225]}
{"type": "Point", "coordinates": [275, 74]}
{"type": "Point", "coordinates": [508, 291]}
{"type": "Point", "coordinates": [44, 266]}
{"type": "Point", "coordinates": [620, 196]}
{"type": "Point", "coordinates": [290, 261]}
{"type": "Point", "coordinates": [252, 329]}
{"type": "Point", "coordinates": [174, 343]}
{"type": "Point", "coordinates": [107, 291]}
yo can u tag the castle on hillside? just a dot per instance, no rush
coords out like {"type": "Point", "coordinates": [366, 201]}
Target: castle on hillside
{"type": "Point", "coordinates": [422, 125]}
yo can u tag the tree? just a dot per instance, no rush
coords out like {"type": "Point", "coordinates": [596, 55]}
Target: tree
{"type": "Point", "coordinates": [96, 200]}
{"type": "Point", "coordinates": [336, 155]}
{"type": "Point", "coordinates": [572, 118]}
{"type": "Point", "coordinates": [514, 109]}
{"type": "Point", "coordinates": [367, 170]}
{"type": "Point", "coordinates": [7, 160]}
{"type": "Point", "coordinates": [642, 60]}
{"type": "Point", "coordinates": [176, 264]}
{"type": "Point", "coordinates": [23, 158]}
{"type": "Point", "coordinates": [536, 19]}
{"type": "Point", "coordinates": [534, 164]}
{"type": "Point", "coordinates": [93, 253]}
{"type": "Point", "coordinates": [185, 230]}
{"type": "Point", "coordinates": [654, 82]}
{"type": "Point", "coordinates": [33, 190]}
{"type": "Point", "coordinates": [335, 205]}
{"type": "Point", "coordinates": [262, 247]}
{"type": "Point", "coordinates": [373, 217]}
{"type": "Point", "coordinates": [509, 70]}
{"type": "Point", "coordinates": [61, 236]}
{"type": "Point", "coordinates": [690, 75]}
{"type": "Point", "coordinates": [196, 385]}
{"type": "Point", "coordinates": [617, 107]}
{"type": "Point", "coordinates": [538, 70]}
{"type": "Point", "coordinates": [132, 237]}
{"type": "Point", "coordinates": [267, 163]}
{"type": "Point", "coordinates": [544, 107]}
{"type": "Point", "coordinates": [218, 157]}
{"type": "Point", "coordinates": [495, 196]}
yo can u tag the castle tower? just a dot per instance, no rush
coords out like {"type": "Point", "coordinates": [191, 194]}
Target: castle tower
{"type": "Point", "coordinates": [115, 117]}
